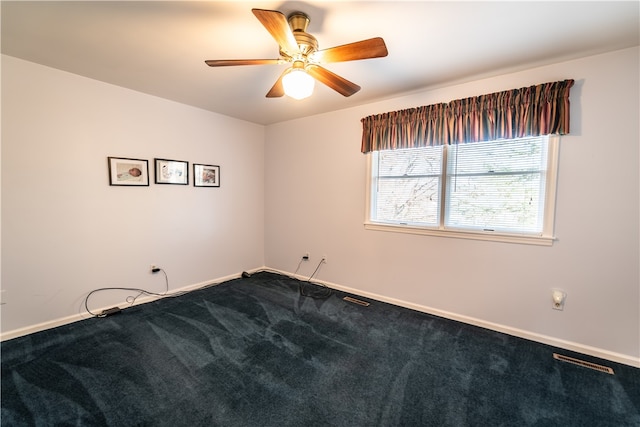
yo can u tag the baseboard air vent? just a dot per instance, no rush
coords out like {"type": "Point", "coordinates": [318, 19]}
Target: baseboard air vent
{"type": "Point", "coordinates": [356, 301]}
{"type": "Point", "coordinates": [583, 363]}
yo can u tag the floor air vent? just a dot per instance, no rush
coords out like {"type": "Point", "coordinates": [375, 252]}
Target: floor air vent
{"type": "Point", "coordinates": [356, 301]}
{"type": "Point", "coordinates": [583, 363]}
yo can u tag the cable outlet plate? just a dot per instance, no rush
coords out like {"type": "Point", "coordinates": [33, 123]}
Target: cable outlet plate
{"type": "Point", "coordinates": [558, 297]}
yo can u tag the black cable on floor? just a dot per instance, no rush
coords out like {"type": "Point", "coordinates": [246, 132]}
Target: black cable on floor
{"type": "Point", "coordinates": [326, 291]}
{"type": "Point", "coordinates": [130, 299]}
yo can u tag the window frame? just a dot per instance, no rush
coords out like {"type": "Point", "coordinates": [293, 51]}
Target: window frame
{"type": "Point", "coordinates": [546, 238]}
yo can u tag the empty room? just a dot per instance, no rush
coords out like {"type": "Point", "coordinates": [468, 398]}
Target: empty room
{"type": "Point", "coordinates": [320, 213]}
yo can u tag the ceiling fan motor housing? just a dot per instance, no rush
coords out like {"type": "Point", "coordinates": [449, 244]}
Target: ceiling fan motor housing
{"type": "Point", "coordinates": [299, 22]}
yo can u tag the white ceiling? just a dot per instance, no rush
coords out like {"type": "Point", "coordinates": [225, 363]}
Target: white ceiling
{"type": "Point", "coordinates": [159, 47]}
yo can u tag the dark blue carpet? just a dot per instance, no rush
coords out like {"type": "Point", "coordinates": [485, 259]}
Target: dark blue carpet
{"type": "Point", "coordinates": [254, 352]}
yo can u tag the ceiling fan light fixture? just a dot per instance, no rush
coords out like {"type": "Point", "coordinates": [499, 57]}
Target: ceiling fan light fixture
{"type": "Point", "coordinates": [301, 49]}
{"type": "Point", "coordinates": [298, 84]}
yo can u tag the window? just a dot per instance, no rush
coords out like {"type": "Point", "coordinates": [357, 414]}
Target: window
{"type": "Point", "coordinates": [497, 190]}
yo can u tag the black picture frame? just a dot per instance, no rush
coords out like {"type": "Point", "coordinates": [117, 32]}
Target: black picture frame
{"type": "Point", "coordinates": [171, 171]}
{"type": "Point", "coordinates": [125, 171]}
{"type": "Point", "coordinates": [206, 175]}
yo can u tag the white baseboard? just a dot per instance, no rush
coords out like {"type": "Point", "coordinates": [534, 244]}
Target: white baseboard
{"type": "Point", "coordinates": [532, 336]}
{"type": "Point", "coordinates": [520, 333]}
{"type": "Point", "coordinates": [82, 316]}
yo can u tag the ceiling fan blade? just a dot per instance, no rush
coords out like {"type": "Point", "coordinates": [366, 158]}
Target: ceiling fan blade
{"type": "Point", "coordinates": [334, 81]}
{"type": "Point", "coordinates": [364, 49]}
{"type": "Point", "coordinates": [228, 62]}
{"type": "Point", "coordinates": [277, 90]}
{"type": "Point", "coordinates": [276, 23]}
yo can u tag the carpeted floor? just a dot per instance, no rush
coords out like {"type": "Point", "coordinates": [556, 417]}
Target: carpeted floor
{"type": "Point", "coordinates": [254, 352]}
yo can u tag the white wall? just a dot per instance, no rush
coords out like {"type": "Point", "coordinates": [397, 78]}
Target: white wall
{"type": "Point", "coordinates": [65, 231]}
{"type": "Point", "coordinates": [315, 201]}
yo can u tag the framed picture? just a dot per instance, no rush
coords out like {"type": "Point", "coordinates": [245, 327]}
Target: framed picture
{"type": "Point", "coordinates": [172, 172]}
{"type": "Point", "coordinates": [124, 171]}
{"type": "Point", "coordinates": [206, 175]}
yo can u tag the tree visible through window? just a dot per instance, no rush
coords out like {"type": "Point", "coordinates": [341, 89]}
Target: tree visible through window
{"type": "Point", "coordinates": [408, 186]}
{"type": "Point", "coordinates": [496, 186]}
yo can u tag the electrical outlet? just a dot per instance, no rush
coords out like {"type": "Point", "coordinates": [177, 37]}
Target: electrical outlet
{"type": "Point", "coordinates": [152, 267]}
{"type": "Point", "coordinates": [305, 256]}
{"type": "Point", "coordinates": [324, 259]}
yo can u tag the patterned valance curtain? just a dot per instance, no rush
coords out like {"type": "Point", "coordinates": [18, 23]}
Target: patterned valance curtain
{"type": "Point", "coordinates": [415, 127]}
{"type": "Point", "coordinates": [530, 111]}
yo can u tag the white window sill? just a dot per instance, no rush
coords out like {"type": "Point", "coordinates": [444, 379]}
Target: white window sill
{"type": "Point", "coordinates": [458, 234]}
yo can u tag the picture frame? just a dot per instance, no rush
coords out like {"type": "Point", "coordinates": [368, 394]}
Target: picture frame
{"type": "Point", "coordinates": [171, 172]}
{"type": "Point", "coordinates": [128, 172]}
{"type": "Point", "coordinates": [206, 175]}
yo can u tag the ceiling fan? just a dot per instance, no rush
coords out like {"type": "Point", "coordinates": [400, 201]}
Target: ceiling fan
{"type": "Point", "coordinates": [301, 50]}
